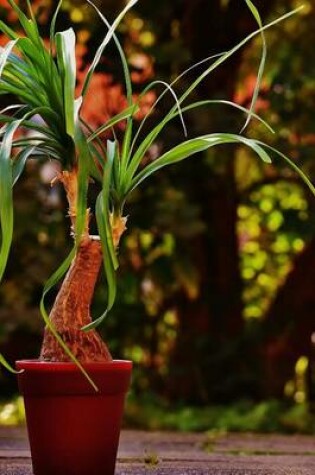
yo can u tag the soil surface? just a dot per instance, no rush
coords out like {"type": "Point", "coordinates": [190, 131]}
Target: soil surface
{"type": "Point", "coordinates": [156, 453]}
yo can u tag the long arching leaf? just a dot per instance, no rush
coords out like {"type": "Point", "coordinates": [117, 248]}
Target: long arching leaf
{"type": "Point", "coordinates": [84, 162]}
{"type": "Point", "coordinates": [196, 105]}
{"type": "Point", "coordinates": [121, 52]}
{"type": "Point", "coordinates": [102, 211]}
{"type": "Point", "coordinates": [6, 196]}
{"type": "Point", "coordinates": [262, 63]}
{"type": "Point", "coordinates": [65, 45]}
{"type": "Point", "coordinates": [53, 26]}
{"type": "Point", "coordinates": [29, 25]}
{"type": "Point", "coordinates": [19, 163]}
{"type": "Point", "coordinates": [127, 77]}
{"type": "Point", "coordinates": [193, 146]}
{"type": "Point", "coordinates": [103, 45]}
{"type": "Point", "coordinates": [128, 112]}
{"type": "Point", "coordinates": [179, 110]}
{"type": "Point", "coordinates": [149, 139]}
{"type": "Point", "coordinates": [291, 164]}
{"type": "Point", "coordinates": [5, 53]}
{"type": "Point", "coordinates": [7, 365]}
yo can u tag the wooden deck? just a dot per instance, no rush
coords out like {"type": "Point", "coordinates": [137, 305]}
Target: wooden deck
{"type": "Point", "coordinates": [143, 453]}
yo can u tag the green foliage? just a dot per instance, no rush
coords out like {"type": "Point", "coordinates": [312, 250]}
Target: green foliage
{"type": "Point", "coordinates": [12, 413]}
{"type": "Point", "coordinates": [244, 416]}
{"type": "Point", "coordinates": [273, 227]}
{"type": "Point", "coordinates": [7, 365]}
{"type": "Point", "coordinates": [151, 413]}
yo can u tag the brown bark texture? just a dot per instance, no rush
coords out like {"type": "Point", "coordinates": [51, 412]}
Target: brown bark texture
{"type": "Point", "coordinates": [71, 310]}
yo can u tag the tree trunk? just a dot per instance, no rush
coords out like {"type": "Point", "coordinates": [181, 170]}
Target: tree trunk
{"type": "Point", "coordinates": [71, 310]}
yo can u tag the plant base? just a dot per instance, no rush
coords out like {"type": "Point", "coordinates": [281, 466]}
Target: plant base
{"type": "Point", "coordinates": [73, 430]}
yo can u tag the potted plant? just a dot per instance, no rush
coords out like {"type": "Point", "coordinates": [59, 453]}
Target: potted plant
{"type": "Point", "coordinates": [74, 392]}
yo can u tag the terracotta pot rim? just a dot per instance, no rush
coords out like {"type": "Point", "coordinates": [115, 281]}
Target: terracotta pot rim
{"type": "Point", "coordinates": [37, 365]}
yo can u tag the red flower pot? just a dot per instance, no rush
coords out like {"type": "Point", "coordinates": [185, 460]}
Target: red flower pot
{"type": "Point", "coordinates": [73, 430]}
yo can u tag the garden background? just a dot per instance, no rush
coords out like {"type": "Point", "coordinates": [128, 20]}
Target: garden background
{"type": "Point", "coordinates": [216, 285]}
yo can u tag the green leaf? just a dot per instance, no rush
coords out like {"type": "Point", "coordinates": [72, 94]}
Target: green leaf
{"type": "Point", "coordinates": [84, 162]}
{"type": "Point", "coordinates": [53, 26]}
{"type": "Point", "coordinates": [198, 104]}
{"type": "Point", "coordinates": [65, 45]}
{"type": "Point", "coordinates": [26, 97]}
{"type": "Point", "coordinates": [106, 188]}
{"type": "Point", "coordinates": [6, 184]}
{"type": "Point", "coordinates": [254, 12]}
{"type": "Point", "coordinates": [104, 43]}
{"type": "Point", "coordinates": [291, 164]}
{"type": "Point", "coordinates": [128, 112]}
{"type": "Point", "coordinates": [5, 53]}
{"type": "Point", "coordinates": [17, 107]}
{"type": "Point", "coordinates": [149, 139]}
{"type": "Point", "coordinates": [108, 265]}
{"type": "Point", "coordinates": [34, 70]}
{"type": "Point", "coordinates": [122, 55]}
{"type": "Point", "coordinates": [29, 26]}
{"type": "Point", "coordinates": [128, 84]}
{"type": "Point", "coordinates": [54, 279]}
{"type": "Point", "coordinates": [8, 31]}
{"type": "Point", "coordinates": [98, 152]}
{"type": "Point", "coordinates": [28, 124]}
{"type": "Point", "coordinates": [6, 196]}
{"type": "Point", "coordinates": [193, 146]}
{"type": "Point", "coordinates": [136, 161]}
{"type": "Point", "coordinates": [29, 6]}
{"type": "Point", "coordinates": [7, 365]}
{"type": "Point", "coordinates": [168, 88]}
{"type": "Point", "coordinates": [19, 163]}
{"type": "Point", "coordinates": [102, 210]}
{"type": "Point", "coordinates": [262, 63]}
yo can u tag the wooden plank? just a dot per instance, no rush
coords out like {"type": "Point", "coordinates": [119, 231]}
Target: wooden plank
{"type": "Point", "coordinates": [159, 453]}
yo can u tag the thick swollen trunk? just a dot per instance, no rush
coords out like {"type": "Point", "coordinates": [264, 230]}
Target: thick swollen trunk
{"type": "Point", "coordinates": [71, 310]}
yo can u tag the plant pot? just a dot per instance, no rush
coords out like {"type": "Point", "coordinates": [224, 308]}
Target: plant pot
{"type": "Point", "coordinates": [73, 430]}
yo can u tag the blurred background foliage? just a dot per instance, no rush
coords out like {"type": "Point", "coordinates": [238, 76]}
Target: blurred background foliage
{"type": "Point", "coordinates": [216, 299]}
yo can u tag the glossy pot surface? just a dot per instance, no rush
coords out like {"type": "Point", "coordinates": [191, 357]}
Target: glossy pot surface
{"type": "Point", "coordinates": [73, 430]}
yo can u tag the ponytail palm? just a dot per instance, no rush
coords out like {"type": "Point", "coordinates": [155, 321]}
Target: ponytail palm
{"type": "Point", "coordinates": [44, 81]}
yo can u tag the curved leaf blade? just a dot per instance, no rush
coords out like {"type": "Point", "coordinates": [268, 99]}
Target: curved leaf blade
{"type": "Point", "coordinates": [104, 43]}
{"type": "Point", "coordinates": [149, 139]}
{"type": "Point", "coordinates": [193, 146]}
{"type": "Point", "coordinates": [7, 365]}
{"type": "Point", "coordinates": [262, 63]}
{"type": "Point", "coordinates": [19, 163]}
{"type": "Point", "coordinates": [102, 212]}
{"type": "Point", "coordinates": [6, 195]}
{"type": "Point", "coordinates": [291, 164]}
{"type": "Point", "coordinates": [65, 46]}
{"type": "Point", "coordinates": [5, 53]}
{"type": "Point", "coordinates": [125, 114]}
{"type": "Point", "coordinates": [84, 166]}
